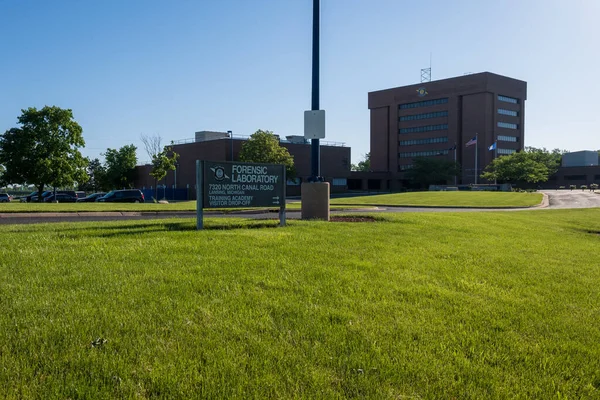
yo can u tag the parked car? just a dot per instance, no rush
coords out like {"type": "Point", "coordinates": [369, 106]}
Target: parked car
{"type": "Point", "coordinates": [5, 198]}
{"type": "Point", "coordinates": [123, 196]}
{"type": "Point", "coordinates": [80, 194]}
{"type": "Point", "coordinates": [91, 197]}
{"type": "Point", "coordinates": [47, 193]}
{"type": "Point", "coordinates": [34, 198]}
{"type": "Point", "coordinates": [61, 198]}
{"type": "Point", "coordinates": [27, 199]}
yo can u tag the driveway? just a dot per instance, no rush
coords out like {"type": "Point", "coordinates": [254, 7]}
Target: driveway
{"type": "Point", "coordinates": [572, 199]}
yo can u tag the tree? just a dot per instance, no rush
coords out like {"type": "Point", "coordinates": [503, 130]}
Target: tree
{"type": "Point", "coordinates": [152, 145]}
{"type": "Point", "coordinates": [2, 181]}
{"type": "Point", "coordinates": [364, 165]}
{"type": "Point", "coordinates": [44, 150]}
{"type": "Point", "coordinates": [524, 166]}
{"type": "Point", "coordinates": [432, 171]}
{"type": "Point", "coordinates": [97, 181]}
{"type": "Point", "coordinates": [120, 166]}
{"type": "Point", "coordinates": [551, 159]}
{"type": "Point", "coordinates": [162, 163]}
{"type": "Point", "coordinates": [264, 147]}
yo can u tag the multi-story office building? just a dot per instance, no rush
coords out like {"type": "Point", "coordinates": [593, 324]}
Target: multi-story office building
{"type": "Point", "coordinates": [429, 119]}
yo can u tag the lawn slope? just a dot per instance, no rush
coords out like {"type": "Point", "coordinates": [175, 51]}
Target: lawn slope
{"type": "Point", "coordinates": [437, 305]}
{"type": "Point", "coordinates": [446, 199]}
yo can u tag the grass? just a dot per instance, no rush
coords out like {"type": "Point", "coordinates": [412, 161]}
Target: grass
{"type": "Point", "coordinates": [436, 305]}
{"type": "Point", "coordinates": [16, 207]}
{"type": "Point", "coordinates": [424, 199]}
{"type": "Point", "coordinates": [446, 199]}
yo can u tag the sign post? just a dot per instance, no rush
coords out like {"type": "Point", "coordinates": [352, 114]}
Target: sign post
{"type": "Point", "coordinates": [199, 196]}
{"type": "Point", "coordinates": [239, 185]}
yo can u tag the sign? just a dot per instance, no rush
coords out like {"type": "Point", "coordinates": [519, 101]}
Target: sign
{"type": "Point", "coordinates": [422, 92]}
{"type": "Point", "coordinates": [314, 124]}
{"type": "Point", "coordinates": [240, 185]}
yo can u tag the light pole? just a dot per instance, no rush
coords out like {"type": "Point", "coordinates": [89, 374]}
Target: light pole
{"type": "Point", "coordinates": [315, 143]}
{"type": "Point", "coordinates": [231, 143]}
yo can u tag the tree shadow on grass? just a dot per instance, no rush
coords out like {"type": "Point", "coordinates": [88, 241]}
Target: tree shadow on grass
{"type": "Point", "coordinates": [140, 228]}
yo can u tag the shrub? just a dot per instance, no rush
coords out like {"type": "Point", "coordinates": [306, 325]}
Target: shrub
{"type": "Point", "coordinates": [593, 186]}
{"type": "Point", "coordinates": [572, 187]}
{"type": "Point", "coordinates": [583, 187]}
{"type": "Point", "coordinates": [561, 187]}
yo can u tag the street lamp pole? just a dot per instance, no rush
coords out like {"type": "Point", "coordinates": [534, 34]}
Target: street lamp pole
{"type": "Point", "coordinates": [315, 143]}
{"type": "Point", "coordinates": [231, 144]}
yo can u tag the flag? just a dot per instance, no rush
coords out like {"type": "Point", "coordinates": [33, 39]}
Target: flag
{"type": "Point", "coordinates": [472, 141]}
{"type": "Point", "coordinates": [492, 147]}
{"type": "Point", "coordinates": [453, 147]}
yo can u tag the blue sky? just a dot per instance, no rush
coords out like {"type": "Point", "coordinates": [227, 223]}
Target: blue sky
{"type": "Point", "coordinates": [132, 67]}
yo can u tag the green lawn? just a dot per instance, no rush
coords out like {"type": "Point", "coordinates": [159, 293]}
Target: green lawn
{"type": "Point", "coordinates": [436, 305]}
{"type": "Point", "coordinates": [447, 199]}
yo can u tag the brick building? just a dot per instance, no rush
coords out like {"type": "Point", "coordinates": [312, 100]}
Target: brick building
{"type": "Point", "coordinates": [429, 119]}
{"type": "Point", "coordinates": [220, 146]}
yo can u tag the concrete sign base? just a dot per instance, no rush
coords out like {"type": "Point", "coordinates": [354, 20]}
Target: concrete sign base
{"type": "Point", "coordinates": [315, 200]}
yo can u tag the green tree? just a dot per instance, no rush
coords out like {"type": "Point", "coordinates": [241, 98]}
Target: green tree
{"type": "Point", "coordinates": [364, 165]}
{"type": "Point", "coordinates": [551, 159]}
{"type": "Point", "coordinates": [97, 181]}
{"type": "Point", "coordinates": [44, 151]}
{"type": "Point", "coordinates": [162, 163]}
{"type": "Point", "coordinates": [432, 171]}
{"type": "Point", "coordinates": [524, 166]}
{"type": "Point", "coordinates": [120, 166]}
{"type": "Point", "coordinates": [264, 147]}
{"type": "Point", "coordinates": [2, 181]}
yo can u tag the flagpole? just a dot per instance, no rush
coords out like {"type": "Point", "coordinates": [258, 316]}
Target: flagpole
{"type": "Point", "coordinates": [476, 145]}
{"type": "Point", "coordinates": [496, 156]}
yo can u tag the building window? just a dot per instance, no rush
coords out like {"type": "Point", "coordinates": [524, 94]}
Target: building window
{"type": "Point", "coordinates": [502, 138]}
{"type": "Point", "coordinates": [505, 151]}
{"type": "Point", "coordinates": [339, 182]}
{"type": "Point", "coordinates": [508, 112]}
{"type": "Point", "coordinates": [508, 99]}
{"type": "Point", "coordinates": [425, 103]}
{"type": "Point", "coordinates": [413, 142]}
{"type": "Point", "coordinates": [507, 125]}
{"type": "Point", "coordinates": [404, 167]}
{"type": "Point", "coordinates": [423, 153]}
{"type": "Point", "coordinates": [426, 128]}
{"type": "Point", "coordinates": [575, 177]}
{"type": "Point", "coordinates": [417, 117]}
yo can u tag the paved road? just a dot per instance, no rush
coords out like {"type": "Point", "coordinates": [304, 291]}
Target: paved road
{"type": "Point", "coordinates": [557, 200]}
{"type": "Point", "coordinates": [572, 199]}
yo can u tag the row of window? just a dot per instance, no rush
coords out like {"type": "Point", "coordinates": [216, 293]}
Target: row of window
{"type": "Point", "coordinates": [508, 99]}
{"type": "Point", "coordinates": [426, 128]}
{"type": "Point", "coordinates": [507, 125]}
{"type": "Point", "coordinates": [502, 138]}
{"type": "Point", "coordinates": [508, 112]}
{"type": "Point", "coordinates": [404, 167]}
{"type": "Point", "coordinates": [505, 151]}
{"type": "Point", "coordinates": [425, 103]}
{"type": "Point", "coordinates": [423, 153]}
{"type": "Point", "coordinates": [443, 139]}
{"type": "Point", "coordinates": [424, 116]}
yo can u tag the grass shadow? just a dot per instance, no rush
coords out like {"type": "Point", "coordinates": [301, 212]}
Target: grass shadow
{"type": "Point", "coordinates": [139, 228]}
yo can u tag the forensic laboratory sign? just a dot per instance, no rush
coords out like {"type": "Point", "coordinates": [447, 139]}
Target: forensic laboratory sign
{"type": "Point", "coordinates": [234, 184]}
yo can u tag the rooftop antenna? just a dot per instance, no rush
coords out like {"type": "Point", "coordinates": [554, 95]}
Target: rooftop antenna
{"type": "Point", "coordinates": [426, 72]}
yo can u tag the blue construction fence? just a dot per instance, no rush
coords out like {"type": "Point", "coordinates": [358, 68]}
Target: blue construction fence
{"type": "Point", "coordinates": [169, 194]}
